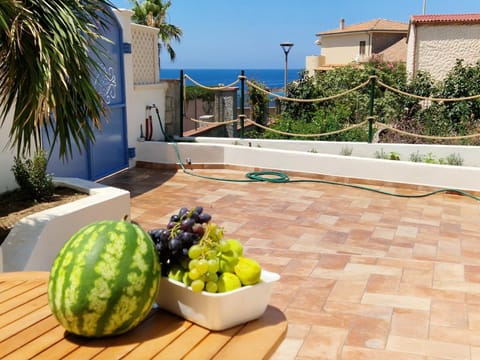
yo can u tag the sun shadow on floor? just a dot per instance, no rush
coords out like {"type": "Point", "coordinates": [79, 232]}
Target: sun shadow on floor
{"type": "Point", "coordinates": [139, 180]}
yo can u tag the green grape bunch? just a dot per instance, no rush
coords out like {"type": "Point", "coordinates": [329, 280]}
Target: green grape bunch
{"type": "Point", "coordinates": [209, 262]}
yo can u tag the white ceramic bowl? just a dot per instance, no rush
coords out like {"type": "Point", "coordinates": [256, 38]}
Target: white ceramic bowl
{"type": "Point", "coordinates": [217, 311]}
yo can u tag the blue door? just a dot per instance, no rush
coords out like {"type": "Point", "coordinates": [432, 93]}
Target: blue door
{"type": "Point", "coordinates": [109, 153]}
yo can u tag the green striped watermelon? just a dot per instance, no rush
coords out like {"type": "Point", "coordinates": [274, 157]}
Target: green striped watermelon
{"type": "Point", "coordinates": [105, 279]}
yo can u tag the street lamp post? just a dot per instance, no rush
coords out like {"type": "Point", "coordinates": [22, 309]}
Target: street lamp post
{"type": "Point", "coordinates": [286, 46]}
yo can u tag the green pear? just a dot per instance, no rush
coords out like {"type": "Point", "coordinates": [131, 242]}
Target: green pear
{"type": "Point", "coordinates": [248, 271]}
{"type": "Point", "coordinates": [176, 273]}
{"type": "Point", "coordinates": [228, 282]}
{"type": "Point", "coordinates": [236, 246]}
{"type": "Point", "coordinates": [227, 261]}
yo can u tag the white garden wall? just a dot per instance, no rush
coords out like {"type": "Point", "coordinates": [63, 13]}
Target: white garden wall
{"type": "Point", "coordinates": [213, 152]}
{"type": "Point", "coordinates": [470, 154]}
{"type": "Point", "coordinates": [35, 240]}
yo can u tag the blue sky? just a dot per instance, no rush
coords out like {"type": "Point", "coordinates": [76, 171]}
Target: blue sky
{"type": "Point", "coordinates": [245, 34]}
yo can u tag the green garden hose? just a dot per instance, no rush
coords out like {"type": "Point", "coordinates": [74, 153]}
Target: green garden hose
{"type": "Point", "coordinates": [268, 176]}
{"type": "Point", "coordinates": [280, 177]}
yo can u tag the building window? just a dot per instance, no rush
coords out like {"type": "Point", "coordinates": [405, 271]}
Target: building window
{"type": "Point", "coordinates": [363, 45]}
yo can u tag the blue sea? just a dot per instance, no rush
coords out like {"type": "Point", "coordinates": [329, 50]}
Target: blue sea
{"type": "Point", "coordinates": [271, 78]}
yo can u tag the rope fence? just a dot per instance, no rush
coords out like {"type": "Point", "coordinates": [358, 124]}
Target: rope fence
{"type": "Point", "coordinates": [430, 137]}
{"type": "Point", "coordinates": [371, 120]}
{"type": "Point", "coordinates": [280, 97]}
{"type": "Point", "coordinates": [213, 88]}
{"type": "Point", "coordinates": [228, 122]}
{"type": "Point", "coordinates": [433, 99]}
{"type": "Point", "coordinates": [306, 135]}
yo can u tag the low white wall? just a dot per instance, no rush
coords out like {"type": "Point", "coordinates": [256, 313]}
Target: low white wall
{"type": "Point", "coordinates": [468, 153]}
{"type": "Point", "coordinates": [164, 153]}
{"type": "Point", "coordinates": [34, 242]}
{"type": "Point", "coordinates": [443, 176]}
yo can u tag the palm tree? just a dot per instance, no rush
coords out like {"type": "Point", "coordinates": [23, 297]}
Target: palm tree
{"type": "Point", "coordinates": [153, 13]}
{"type": "Point", "coordinates": [48, 51]}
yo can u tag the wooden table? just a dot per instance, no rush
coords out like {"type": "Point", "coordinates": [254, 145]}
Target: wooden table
{"type": "Point", "coordinates": [29, 330]}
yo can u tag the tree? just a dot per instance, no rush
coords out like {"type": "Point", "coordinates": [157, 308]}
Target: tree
{"type": "Point", "coordinates": [153, 13]}
{"type": "Point", "coordinates": [48, 51]}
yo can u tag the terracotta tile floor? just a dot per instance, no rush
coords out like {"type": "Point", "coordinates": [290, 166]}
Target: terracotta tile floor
{"type": "Point", "coordinates": [364, 275]}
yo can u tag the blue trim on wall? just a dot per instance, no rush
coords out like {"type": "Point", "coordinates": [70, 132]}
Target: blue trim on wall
{"type": "Point", "coordinates": [127, 48]}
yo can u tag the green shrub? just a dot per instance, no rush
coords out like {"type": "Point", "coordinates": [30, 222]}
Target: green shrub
{"type": "Point", "coordinates": [31, 175]}
{"type": "Point", "coordinates": [392, 155]}
{"type": "Point", "coordinates": [410, 114]}
{"type": "Point", "coordinates": [205, 97]}
{"type": "Point", "coordinates": [324, 121]}
{"type": "Point", "coordinates": [304, 88]}
{"type": "Point", "coordinates": [346, 151]}
{"type": "Point", "coordinates": [258, 101]}
{"type": "Point", "coordinates": [430, 158]}
{"type": "Point", "coordinates": [416, 157]}
{"type": "Point", "coordinates": [194, 92]}
{"type": "Point", "coordinates": [380, 154]}
{"type": "Point", "coordinates": [454, 159]}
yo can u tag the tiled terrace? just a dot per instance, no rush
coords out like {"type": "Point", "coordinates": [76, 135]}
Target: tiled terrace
{"type": "Point", "coordinates": [364, 275]}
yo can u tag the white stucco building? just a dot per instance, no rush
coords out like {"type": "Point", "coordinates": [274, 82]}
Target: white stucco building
{"type": "Point", "coordinates": [435, 42]}
{"type": "Point", "coordinates": [357, 43]}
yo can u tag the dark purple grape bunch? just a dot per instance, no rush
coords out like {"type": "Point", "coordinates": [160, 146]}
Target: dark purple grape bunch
{"type": "Point", "coordinates": [183, 230]}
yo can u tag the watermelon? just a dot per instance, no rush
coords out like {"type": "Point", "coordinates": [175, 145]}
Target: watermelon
{"type": "Point", "coordinates": [104, 280]}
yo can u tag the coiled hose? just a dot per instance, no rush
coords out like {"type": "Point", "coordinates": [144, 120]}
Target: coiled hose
{"type": "Point", "coordinates": [280, 177]}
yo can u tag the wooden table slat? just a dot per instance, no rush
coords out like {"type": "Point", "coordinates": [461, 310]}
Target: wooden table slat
{"type": "Point", "coordinates": [6, 285]}
{"type": "Point", "coordinates": [265, 329]}
{"type": "Point", "coordinates": [25, 336]}
{"type": "Point", "coordinates": [212, 344]}
{"type": "Point", "coordinates": [58, 350]}
{"type": "Point", "coordinates": [23, 323]}
{"type": "Point", "coordinates": [118, 348]}
{"type": "Point", "coordinates": [116, 351]}
{"type": "Point", "coordinates": [23, 310]}
{"type": "Point", "coordinates": [29, 350]}
{"type": "Point", "coordinates": [166, 329]}
{"type": "Point", "coordinates": [19, 290]}
{"type": "Point", "coordinates": [25, 297]}
{"type": "Point", "coordinates": [182, 344]}
{"type": "Point", "coordinates": [24, 276]}
{"type": "Point", "coordinates": [28, 329]}
{"type": "Point", "coordinates": [84, 352]}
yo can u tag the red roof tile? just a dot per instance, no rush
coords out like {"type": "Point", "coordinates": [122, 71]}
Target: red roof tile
{"type": "Point", "coordinates": [445, 18]}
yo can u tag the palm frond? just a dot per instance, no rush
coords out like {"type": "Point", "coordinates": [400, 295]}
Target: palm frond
{"type": "Point", "coordinates": [47, 50]}
{"type": "Point", "coordinates": [154, 13]}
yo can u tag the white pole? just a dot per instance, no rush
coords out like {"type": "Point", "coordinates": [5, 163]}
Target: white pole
{"type": "Point", "coordinates": [424, 6]}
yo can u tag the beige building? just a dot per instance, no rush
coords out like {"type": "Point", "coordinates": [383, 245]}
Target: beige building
{"type": "Point", "coordinates": [358, 43]}
{"type": "Point", "coordinates": [435, 42]}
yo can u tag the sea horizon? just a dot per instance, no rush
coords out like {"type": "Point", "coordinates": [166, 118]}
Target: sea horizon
{"type": "Point", "coordinates": [271, 78]}
{"type": "Point", "coordinates": [236, 69]}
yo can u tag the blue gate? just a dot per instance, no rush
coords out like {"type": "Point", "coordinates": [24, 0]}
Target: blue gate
{"type": "Point", "coordinates": [109, 153]}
